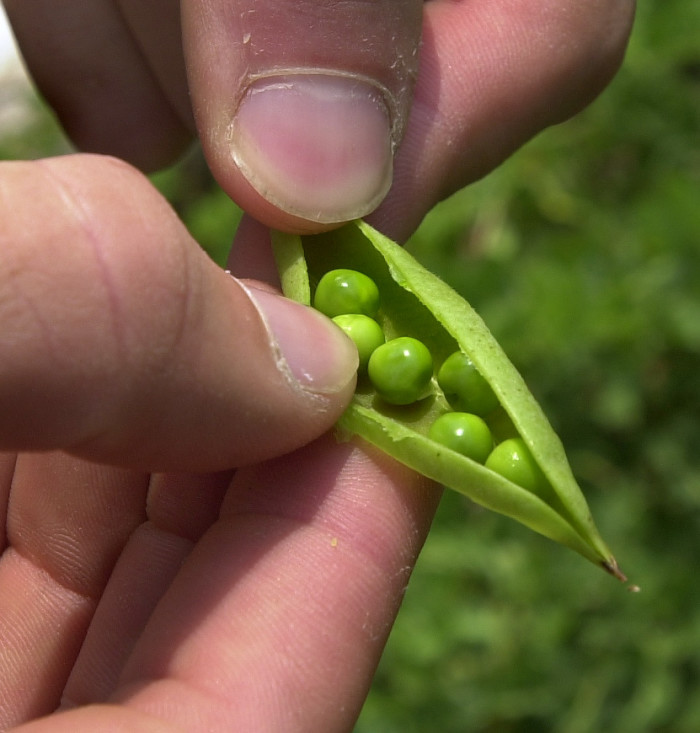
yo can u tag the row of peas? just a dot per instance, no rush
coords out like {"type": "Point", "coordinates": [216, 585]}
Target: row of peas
{"type": "Point", "coordinates": [401, 371]}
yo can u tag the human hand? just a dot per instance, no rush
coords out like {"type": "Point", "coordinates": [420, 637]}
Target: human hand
{"type": "Point", "coordinates": [270, 617]}
{"type": "Point", "coordinates": [197, 598]}
{"type": "Point", "coordinates": [159, 406]}
{"type": "Point", "coordinates": [121, 343]}
{"type": "Point", "coordinates": [492, 74]}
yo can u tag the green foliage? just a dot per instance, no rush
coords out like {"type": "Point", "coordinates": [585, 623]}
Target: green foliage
{"type": "Point", "coordinates": [27, 129]}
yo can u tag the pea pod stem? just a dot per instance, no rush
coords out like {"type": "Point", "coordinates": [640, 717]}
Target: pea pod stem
{"type": "Point", "coordinates": [291, 265]}
{"type": "Point", "coordinates": [416, 302]}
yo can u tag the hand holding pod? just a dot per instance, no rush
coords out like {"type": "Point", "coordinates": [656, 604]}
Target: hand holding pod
{"type": "Point", "coordinates": [416, 303]}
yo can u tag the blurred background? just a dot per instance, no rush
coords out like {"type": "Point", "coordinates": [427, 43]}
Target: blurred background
{"type": "Point", "coordinates": [582, 253]}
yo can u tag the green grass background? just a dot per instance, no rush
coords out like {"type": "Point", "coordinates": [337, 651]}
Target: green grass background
{"type": "Point", "coordinates": [582, 253]}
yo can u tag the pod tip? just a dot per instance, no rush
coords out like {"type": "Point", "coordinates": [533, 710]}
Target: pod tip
{"type": "Point", "coordinates": [612, 567]}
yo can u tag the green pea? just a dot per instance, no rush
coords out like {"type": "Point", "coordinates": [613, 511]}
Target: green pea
{"type": "Point", "coordinates": [512, 460]}
{"type": "Point", "coordinates": [346, 291]}
{"type": "Point", "coordinates": [364, 331]}
{"type": "Point", "coordinates": [464, 433]}
{"type": "Point", "coordinates": [464, 387]}
{"type": "Point", "coordinates": [400, 370]}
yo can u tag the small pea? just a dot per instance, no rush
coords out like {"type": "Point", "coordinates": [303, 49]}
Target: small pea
{"type": "Point", "coordinates": [364, 331]}
{"type": "Point", "coordinates": [400, 370]}
{"type": "Point", "coordinates": [512, 460]}
{"type": "Point", "coordinates": [346, 291]}
{"type": "Point", "coordinates": [464, 433]}
{"type": "Point", "coordinates": [464, 387]}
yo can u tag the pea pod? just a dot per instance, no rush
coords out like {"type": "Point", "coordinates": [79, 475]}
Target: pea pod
{"type": "Point", "coordinates": [414, 302]}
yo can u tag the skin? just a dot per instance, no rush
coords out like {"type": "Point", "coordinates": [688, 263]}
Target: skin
{"type": "Point", "coordinates": [145, 584]}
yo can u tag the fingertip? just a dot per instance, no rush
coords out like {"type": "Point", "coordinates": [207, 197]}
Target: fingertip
{"type": "Point", "coordinates": [301, 108]}
{"type": "Point", "coordinates": [317, 146]}
{"type": "Point", "coordinates": [310, 351]}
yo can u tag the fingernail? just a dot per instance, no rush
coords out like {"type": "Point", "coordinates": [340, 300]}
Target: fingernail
{"type": "Point", "coordinates": [310, 350]}
{"type": "Point", "coordinates": [318, 146]}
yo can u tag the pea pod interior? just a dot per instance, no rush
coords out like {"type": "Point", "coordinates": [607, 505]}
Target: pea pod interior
{"type": "Point", "coordinates": [414, 302]}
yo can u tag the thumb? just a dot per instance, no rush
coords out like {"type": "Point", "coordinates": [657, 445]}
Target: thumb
{"type": "Point", "coordinates": [121, 342]}
{"type": "Point", "coordinates": [301, 103]}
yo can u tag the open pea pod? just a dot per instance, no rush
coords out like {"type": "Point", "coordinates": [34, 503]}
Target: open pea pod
{"type": "Point", "coordinates": [414, 302]}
